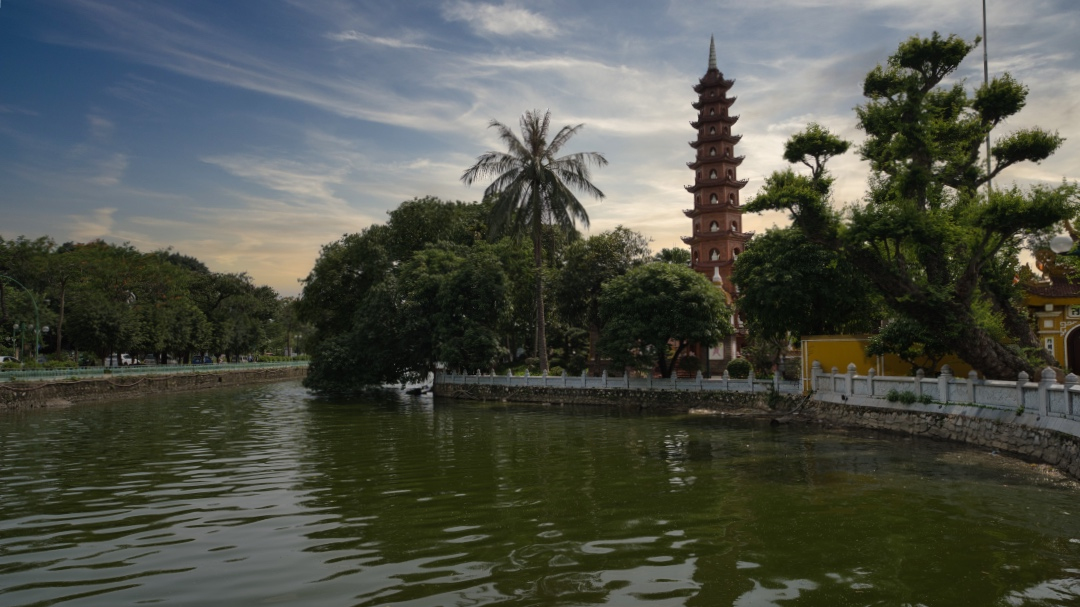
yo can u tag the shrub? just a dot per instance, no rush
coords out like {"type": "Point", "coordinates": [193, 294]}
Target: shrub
{"type": "Point", "coordinates": [907, 397]}
{"type": "Point", "coordinates": [893, 395]}
{"type": "Point", "coordinates": [925, 399]}
{"type": "Point", "coordinates": [739, 368]}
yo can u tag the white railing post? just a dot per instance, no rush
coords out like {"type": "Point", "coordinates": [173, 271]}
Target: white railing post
{"type": "Point", "coordinates": [648, 381]}
{"type": "Point", "coordinates": [726, 377]}
{"type": "Point", "coordinates": [849, 381]}
{"type": "Point", "coordinates": [750, 379]}
{"type": "Point", "coordinates": [603, 377]}
{"type": "Point", "coordinates": [870, 375]}
{"type": "Point", "coordinates": [674, 380]}
{"type": "Point", "coordinates": [1071, 380]}
{"type": "Point", "coordinates": [626, 378]}
{"type": "Point", "coordinates": [919, 376]}
{"type": "Point", "coordinates": [526, 378]}
{"type": "Point", "coordinates": [584, 378]}
{"type": "Point", "coordinates": [1047, 379]}
{"type": "Point", "coordinates": [973, 378]}
{"type": "Point", "coordinates": [943, 381]}
{"type": "Point", "coordinates": [776, 379]}
{"type": "Point", "coordinates": [698, 379]}
{"type": "Point", "coordinates": [1021, 380]}
{"type": "Point", "coordinates": [564, 378]}
{"type": "Point", "coordinates": [815, 372]}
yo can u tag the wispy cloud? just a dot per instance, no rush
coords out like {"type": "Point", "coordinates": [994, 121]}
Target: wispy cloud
{"type": "Point", "coordinates": [100, 127]}
{"type": "Point", "coordinates": [110, 170]}
{"type": "Point", "coordinates": [355, 36]}
{"type": "Point", "coordinates": [501, 20]}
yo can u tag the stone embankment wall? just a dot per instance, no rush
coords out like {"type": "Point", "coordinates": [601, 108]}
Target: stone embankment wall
{"type": "Point", "coordinates": [29, 395]}
{"type": "Point", "coordinates": [1052, 440]}
{"type": "Point", "coordinates": [655, 400]}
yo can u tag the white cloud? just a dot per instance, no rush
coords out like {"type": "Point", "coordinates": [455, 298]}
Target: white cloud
{"type": "Point", "coordinates": [355, 36]}
{"type": "Point", "coordinates": [504, 20]}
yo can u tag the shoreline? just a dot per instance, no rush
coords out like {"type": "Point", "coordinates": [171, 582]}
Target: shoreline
{"type": "Point", "coordinates": [1048, 440]}
{"type": "Point", "coordinates": [20, 396]}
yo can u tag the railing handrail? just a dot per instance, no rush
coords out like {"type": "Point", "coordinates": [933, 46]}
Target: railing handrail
{"type": "Point", "coordinates": [88, 372]}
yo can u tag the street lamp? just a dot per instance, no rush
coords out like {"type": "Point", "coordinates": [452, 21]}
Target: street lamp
{"type": "Point", "coordinates": [37, 318]}
{"type": "Point", "coordinates": [1063, 245]}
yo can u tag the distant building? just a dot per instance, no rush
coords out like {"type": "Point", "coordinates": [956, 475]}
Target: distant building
{"type": "Point", "coordinates": [718, 236]}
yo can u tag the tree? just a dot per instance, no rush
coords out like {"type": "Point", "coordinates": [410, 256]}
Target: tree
{"type": "Point", "coordinates": [936, 248]}
{"type": "Point", "coordinates": [533, 187]}
{"type": "Point", "coordinates": [791, 286]}
{"type": "Point", "coordinates": [588, 264]}
{"type": "Point", "coordinates": [673, 255]}
{"type": "Point", "coordinates": [653, 312]}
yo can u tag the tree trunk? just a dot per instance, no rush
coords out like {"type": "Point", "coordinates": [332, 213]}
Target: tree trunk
{"type": "Point", "coordinates": [541, 332]}
{"type": "Point", "coordinates": [60, 325]}
{"type": "Point", "coordinates": [980, 350]}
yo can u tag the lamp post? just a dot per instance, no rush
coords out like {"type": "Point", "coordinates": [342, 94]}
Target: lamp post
{"type": "Point", "coordinates": [37, 318]}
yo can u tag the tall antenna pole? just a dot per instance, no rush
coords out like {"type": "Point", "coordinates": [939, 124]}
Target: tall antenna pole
{"type": "Point", "coordinates": [986, 82]}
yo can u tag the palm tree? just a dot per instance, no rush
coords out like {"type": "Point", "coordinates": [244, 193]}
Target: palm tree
{"type": "Point", "coordinates": [532, 188]}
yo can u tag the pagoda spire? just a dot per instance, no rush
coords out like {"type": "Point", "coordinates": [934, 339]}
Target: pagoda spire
{"type": "Point", "coordinates": [712, 53]}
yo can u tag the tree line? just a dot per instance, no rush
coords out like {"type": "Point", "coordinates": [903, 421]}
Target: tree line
{"type": "Point", "coordinates": [98, 299]}
{"type": "Point", "coordinates": [432, 287]}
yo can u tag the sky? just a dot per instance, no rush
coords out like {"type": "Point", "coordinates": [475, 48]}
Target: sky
{"type": "Point", "coordinates": [250, 133]}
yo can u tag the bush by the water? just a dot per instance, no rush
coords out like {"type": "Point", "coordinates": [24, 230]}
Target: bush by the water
{"type": "Point", "coordinates": [739, 368]}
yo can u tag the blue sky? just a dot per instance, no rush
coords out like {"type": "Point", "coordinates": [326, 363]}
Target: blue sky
{"type": "Point", "coordinates": [250, 133]}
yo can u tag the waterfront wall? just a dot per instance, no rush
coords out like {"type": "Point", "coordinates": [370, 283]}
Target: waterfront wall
{"type": "Point", "coordinates": [723, 383]}
{"type": "Point", "coordinates": [655, 399]}
{"type": "Point", "coordinates": [1035, 420]}
{"type": "Point", "coordinates": [29, 395]}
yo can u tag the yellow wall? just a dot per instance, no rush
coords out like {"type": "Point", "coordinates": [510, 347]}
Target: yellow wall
{"type": "Point", "coordinates": [841, 350]}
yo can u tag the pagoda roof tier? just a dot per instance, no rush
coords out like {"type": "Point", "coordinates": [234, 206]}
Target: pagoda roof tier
{"type": "Point", "coordinates": [711, 208]}
{"type": "Point", "coordinates": [724, 101]}
{"type": "Point", "coordinates": [742, 237]}
{"type": "Point", "coordinates": [708, 183]}
{"type": "Point", "coordinates": [728, 120]}
{"type": "Point", "coordinates": [702, 120]}
{"type": "Point", "coordinates": [735, 160]}
{"type": "Point", "coordinates": [713, 79]}
{"type": "Point", "coordinates": [719, 137]}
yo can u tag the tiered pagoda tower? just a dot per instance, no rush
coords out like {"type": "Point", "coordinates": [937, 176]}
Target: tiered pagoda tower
{"type": "Point", "coordinates": [717, 237]}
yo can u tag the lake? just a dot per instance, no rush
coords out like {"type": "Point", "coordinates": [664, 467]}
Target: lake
{"type": "Point", "coordinates": [266, 495]}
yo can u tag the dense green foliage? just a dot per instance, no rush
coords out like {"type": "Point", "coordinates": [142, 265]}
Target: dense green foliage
{"type": "Point", "coordinates": [939, 252]}
{"type": "Point", "coordinates": [655, 311]}
{"type": "Point", "coordinates": [454, 298]}
{"type": "Point", "coordinates": [101, 298]}
{"type": "Point", "coordinates": [532, 189]}
{"type": "Point", "coordinates": [792, 286]}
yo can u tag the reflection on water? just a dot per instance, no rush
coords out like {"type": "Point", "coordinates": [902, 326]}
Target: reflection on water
{"type": "Point", "coordinates": [265, 495]}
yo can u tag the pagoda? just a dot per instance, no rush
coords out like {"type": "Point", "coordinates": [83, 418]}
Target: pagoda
{"type": "Point", "coordinates": [718, 236]}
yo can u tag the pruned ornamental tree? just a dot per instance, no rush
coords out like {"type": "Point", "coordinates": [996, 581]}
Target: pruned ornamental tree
{"type": "Point", "coordinates": [935, 246]}
{"type": "Point", "coordinates": [790, 286]}
{"type": "Point", "coordinates": [534, 187]}
{"type": "Point", "coordinates": [654, 312]}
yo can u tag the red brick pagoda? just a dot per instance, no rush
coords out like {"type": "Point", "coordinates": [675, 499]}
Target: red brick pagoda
{"type": "Point", "coordinates": [718, 236]}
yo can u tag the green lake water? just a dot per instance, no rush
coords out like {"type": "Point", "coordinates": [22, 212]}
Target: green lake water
{"type": "Point", "coordinates": [264, 495]}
